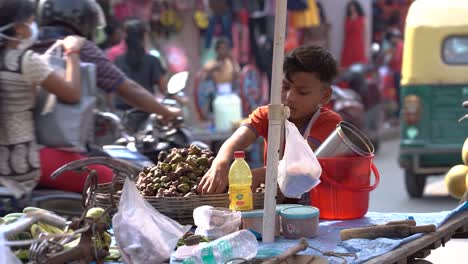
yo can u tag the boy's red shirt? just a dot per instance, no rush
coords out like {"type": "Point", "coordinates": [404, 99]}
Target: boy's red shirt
{"type": "Point", "coordinates": [321, 129]}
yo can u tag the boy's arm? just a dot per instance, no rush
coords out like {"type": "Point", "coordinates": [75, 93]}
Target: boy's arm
{"type": "Point", "coordinates": [216, 179]}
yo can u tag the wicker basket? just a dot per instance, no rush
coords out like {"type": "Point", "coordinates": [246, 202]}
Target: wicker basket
{"type": "Point", "coordinates": [179, 209]}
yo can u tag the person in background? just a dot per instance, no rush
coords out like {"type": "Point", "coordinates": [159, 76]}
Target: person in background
{"type": "Point", "coordinates": [396, 61]}
{"type": "Point", "coordinates": [138, 65]}
{"type": "Point", "coordinates": [308, 72]}
{"type": "Point", "coordinates": [114, 35]}
{"type": "Point", "coordinates": [223, 70]}
{"type": "Point", "coordinates": [21, 71]}
{"type": "Point", "coordinates": [57, 20]}
{"type": "Point", "coordinates": [354, 44]}
{"type": "Point", "coordinates": [117, 48]}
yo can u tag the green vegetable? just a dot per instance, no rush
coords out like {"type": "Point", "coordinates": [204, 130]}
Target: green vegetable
{"type": "Point", "coordinates": [184, 188]}
{"type": "Point", "coordinates": [165, 179]}
{"type": "Point", "coordinates": [202, 162]}
{"type": "Point", "coordinates": [184, 179]}
{"type": "Point", "coordinates": [22, 254]}
{"type": "Point", "coordinates": [165, 167]}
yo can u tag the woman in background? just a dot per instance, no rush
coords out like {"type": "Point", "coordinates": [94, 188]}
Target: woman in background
{"type": "Point", "coordinates": [354, 47]}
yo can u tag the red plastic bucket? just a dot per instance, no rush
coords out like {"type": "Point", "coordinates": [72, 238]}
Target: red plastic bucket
{"type": "Point", "coordinates": [345, 186]}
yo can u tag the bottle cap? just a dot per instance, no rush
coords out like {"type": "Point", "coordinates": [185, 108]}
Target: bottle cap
{"type": "Point", "coordinates": [239, 154]}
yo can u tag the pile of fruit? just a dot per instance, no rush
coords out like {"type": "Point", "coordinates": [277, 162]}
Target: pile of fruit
{"type": "Point", "coordinates": [456, 178]}
{"type": "Point", "coordinates": [176, 174]}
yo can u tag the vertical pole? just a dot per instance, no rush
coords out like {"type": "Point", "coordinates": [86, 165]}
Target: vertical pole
{"type": "Point", "coordinates": [276, 120]}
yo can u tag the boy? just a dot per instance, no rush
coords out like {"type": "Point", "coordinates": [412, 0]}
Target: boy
{"type": "Point", "coordinates": [307, 75]}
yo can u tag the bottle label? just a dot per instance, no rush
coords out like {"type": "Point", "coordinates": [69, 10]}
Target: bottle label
{"type": "Point", "coordinates": [224, 247]}
{"type": "Point", "coordinates": [241, 198]}
{"type": "Point", "coordinates": [207, 255]}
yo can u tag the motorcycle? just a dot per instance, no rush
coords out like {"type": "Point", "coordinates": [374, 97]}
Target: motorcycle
{"type": "Point", "coordinates": [364, 81]}
{"type": "Point", "coordinates": [154, 138]}
{"type": "Point", "coordinates": [348, 104]}
{"type": "Point", "coordinates": [142, 136]}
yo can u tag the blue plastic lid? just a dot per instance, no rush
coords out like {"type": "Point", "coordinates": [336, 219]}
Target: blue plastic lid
{"type": "Point", "coordinates": [300, 212]}
{"type": "Point", "coordinates": [252, 214]}
{"type": "Point", "coordinates": [280, 207]}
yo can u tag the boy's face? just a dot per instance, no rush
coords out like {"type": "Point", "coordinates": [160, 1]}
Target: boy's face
{"type": "Point", "coordinates": [304, 93]}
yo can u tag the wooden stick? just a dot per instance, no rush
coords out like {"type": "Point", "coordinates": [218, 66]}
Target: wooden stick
{"type": "Point", "coordinates": [402, 222]}
{"type": "Point", "coordinates": [301, 246]}
{"type": "Point", "coordinates": [276, 119]}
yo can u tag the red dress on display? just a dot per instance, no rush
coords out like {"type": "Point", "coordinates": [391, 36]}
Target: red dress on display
{"type": "Point", "coordinates": [354, 45]}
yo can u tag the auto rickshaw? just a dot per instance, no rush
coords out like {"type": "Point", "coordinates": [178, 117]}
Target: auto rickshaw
{"type": "Point", "coordinates": [434, 85]}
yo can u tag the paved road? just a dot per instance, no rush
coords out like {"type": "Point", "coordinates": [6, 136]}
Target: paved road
{"type": "Point", "coordinates": [391, 196]}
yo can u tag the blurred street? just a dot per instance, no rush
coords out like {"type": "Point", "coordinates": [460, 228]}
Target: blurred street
{"type": "Point", "coordinates": [391, 196]}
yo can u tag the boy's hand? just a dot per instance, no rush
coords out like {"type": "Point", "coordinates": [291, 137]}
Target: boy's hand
{"type": "Point", "coordinates": [216, 179]}
{"type": "Point", "coordinates": [258, 177]}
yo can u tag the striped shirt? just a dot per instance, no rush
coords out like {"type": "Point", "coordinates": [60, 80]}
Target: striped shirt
{"type": "Point", "coordinates": [109, 77]}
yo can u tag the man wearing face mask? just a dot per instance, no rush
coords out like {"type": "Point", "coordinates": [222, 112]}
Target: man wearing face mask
{"type": "Point", "coordinates": [21, 71]}
{"type": "Point", "coordinates": [60, 18]}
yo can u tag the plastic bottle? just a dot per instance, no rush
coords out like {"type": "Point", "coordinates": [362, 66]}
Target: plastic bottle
{"type": "Point", "coordinates": [240, 180]}
{"type": "Point", "coordinates": [227, 108]}
{"type": "Point", "coordinates": [241, 244]}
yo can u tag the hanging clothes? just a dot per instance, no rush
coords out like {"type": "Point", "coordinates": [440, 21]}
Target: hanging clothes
{"type": "Point", "coordinates": [310, 17]}
{"type": "Point", "coordinates": [222, 15]}
{"type": "Point", "coordinates": [354, 42]}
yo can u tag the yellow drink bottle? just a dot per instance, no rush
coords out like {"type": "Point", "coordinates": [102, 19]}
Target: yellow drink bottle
{"type": "Point", "coordinates": [240, 180]}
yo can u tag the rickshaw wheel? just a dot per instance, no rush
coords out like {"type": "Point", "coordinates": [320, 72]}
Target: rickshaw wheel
{"type": "Point", "coordinates": [415, 184]}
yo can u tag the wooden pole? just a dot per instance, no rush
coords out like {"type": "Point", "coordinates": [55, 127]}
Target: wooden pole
{"type": "Point", "coordinates": [276, 120]}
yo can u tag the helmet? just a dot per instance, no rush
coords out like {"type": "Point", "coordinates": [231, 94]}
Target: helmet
{"type": "Point", "coordinates": [82, 16]}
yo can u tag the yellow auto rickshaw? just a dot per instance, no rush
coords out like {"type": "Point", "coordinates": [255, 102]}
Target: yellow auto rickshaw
{"type": "Point", "coordinates": [434, 85]}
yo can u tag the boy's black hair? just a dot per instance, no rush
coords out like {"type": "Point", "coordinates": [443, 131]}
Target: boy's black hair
{"type": "Point", "coordinates": [312, 59]}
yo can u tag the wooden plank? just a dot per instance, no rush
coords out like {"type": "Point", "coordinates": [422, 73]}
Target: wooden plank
{"type": "Point", "coordinates": [435, 245]}
{"type": "Point", "coordinates": [461, 235]}
{"type": "Point", "coordinates": [462, 229]}
{"type": "Point", "coordinates": [401, 261]}
{"type": "Point", "coordinates": [412, 247]}
{"type": "Point", "coordinates": [446, 239]}
{"type": "Point", "coordinates": [422, 253]}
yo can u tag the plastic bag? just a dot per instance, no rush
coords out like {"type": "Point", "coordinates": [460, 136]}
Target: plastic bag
{"type": "Point", "coordinates": [6, 256]}
{"type": "Point", "coordinates": [214, 223]}
{"type": "Point", "coordinates": [299, 170]}
{"type": "Point", "coordinates": [143, 235]}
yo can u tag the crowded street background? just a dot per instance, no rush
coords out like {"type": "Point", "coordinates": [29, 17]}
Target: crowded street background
{"type": "Point", "coordinates": [173, 83]}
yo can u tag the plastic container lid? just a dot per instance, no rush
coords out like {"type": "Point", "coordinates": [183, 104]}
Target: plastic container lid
{"type": "Point", "coordinates": [300, 212]}
{"type": "Point", "coordinates": [252, 213]}
{"type": "Point", "coordinates": [280, 207]}
{"type": "Point", "coordinates": [239, 154]}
